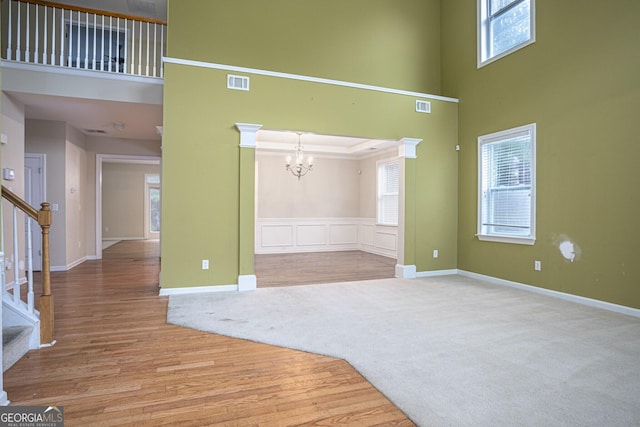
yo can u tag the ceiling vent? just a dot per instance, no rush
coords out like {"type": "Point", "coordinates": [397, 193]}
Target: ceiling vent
{"type": "Point", "coordinates": [423, 106]}
{"type": "Point", "coordinates": [99, 131]}
{"type": "Point", "coordinates": [237, 82]}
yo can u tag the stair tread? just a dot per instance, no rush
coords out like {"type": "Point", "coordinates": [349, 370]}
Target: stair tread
{"type": "Point", "coordinates": [10, 333]}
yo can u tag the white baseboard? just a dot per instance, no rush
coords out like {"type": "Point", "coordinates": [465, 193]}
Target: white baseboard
{"type": "Point", "coordinates": [197, 290]}
{"type": "Point", "coordinates": [247, 282]}
{"type": "Point", "coordinates": [630, 311]}
{"type": "Point", "coordinates": [436, 273]}
{"type": "Point", "coordinates": [405, 271]}
{"type": "Point", "coordinates": [72, 264]}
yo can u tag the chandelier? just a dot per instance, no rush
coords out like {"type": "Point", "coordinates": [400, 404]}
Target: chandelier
{"type": "Point", "coordinates": [299, 168]}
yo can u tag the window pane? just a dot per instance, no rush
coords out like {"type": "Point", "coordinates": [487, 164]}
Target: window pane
{"type": "Point", "coordinates": [496, 5]}
{"type": "Point", "coordinates": [388, 188]}
{"type": "Point", "coordinates": [510, 29]}
{"type": "Point", "coordinates": [154, 210]}
{"type": "Point", "coordinates": [506, 195]}
{"type": "Point", "coordinates": [153, 179]}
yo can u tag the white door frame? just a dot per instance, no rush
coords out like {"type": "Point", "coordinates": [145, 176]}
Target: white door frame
{"type": "Point", "coordinates": [113, 158]}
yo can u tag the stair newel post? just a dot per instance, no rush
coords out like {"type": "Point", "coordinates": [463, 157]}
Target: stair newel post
{"type": "Point", "coordinates": [46, 300]}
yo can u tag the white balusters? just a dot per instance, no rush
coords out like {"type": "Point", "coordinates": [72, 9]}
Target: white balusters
{"type": "Point", "coordinates": [27, 54]}
{"type": "Point", "coordinates": [40, 33]}
{"type": "Point", "coordinates": [45, 33]}
{"type": "Point", "coordinates": [95, 29]}
{"type": "Point", "coordinates": [18, 34]}
{"type": "Point", "coordinates": [16, 273]}
{"type": "Point", "coordinates": [110, 41]}
{"type": "Point", "coordinates": [62, 39]}
{"type": "Point", "coordinates": [29, 256]}
{"type": "Point", "coordinates": [10, 27]}
{"type": "Point", "coordinates": [140, 51]}
{"type": "Point", "coordinates": [133, 45]}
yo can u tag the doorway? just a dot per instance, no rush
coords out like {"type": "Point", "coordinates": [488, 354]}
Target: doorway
{"type": "Point", "coordinates": [35, 194]}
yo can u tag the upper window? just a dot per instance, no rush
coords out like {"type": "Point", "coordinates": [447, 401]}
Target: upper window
{"type": "Point", "coordinates": [506, 185]}
{"type": "Point", "coordinates": [504, 26]}
{"type": "Point", "coordinates": [388, 191]}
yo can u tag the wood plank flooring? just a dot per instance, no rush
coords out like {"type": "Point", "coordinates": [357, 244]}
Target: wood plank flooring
{"type": "Point", "coordinates": [117, 362]}
{"type": "Point", "coordinates": [321, 267]}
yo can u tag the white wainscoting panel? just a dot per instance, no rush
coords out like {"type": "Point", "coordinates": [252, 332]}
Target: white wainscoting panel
{"type": "Point", "coordinates": [276, 235]}
{"type": "Point", "coordinates": [379, 239]}
{"type": "Point", "coordinates": [290, 235]}
{"type": "Point", "coordinates": [343, 234]}
{"type": "Point", "coordinates": [311, 234]}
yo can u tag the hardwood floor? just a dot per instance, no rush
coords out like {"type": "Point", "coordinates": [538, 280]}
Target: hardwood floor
{"type": "Point", "coordinates": [321, 267]}
{"type": "Point", "coordinates": [117, 362]}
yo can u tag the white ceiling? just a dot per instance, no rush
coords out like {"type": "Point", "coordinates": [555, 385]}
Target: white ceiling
{"type": "Point", "coordinates": [87, 115]}
{"type": "Point", "coordinates": [331, 145]}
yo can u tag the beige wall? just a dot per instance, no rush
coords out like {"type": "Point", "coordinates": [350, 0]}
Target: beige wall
{"type": "Point", "coordinates": [49, 138]}
{"type": "Point", "coordinates": [331, 190]}
{"type": "Point", "coordinates": [76, 194]}
{"type": "Point", "coordinates": [337, 188]}
{"type": "Point", "coordinates": [123, 194]}
{"type": "Point", "coordinates": [13, 157]}
{"type": "Point", "coordinates": [129, 147]}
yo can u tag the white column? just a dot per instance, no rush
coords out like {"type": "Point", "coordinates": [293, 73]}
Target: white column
{"type": "Point", "coordinates": [406, 150]}
{"type": "Point", "coordinates": [248, 131]}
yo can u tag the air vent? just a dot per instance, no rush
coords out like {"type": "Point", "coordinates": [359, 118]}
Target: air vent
{"type": "Point", "coordinates": [95, 131]}
{"type": "Point", "coordinates": [237, 82]}
{"type": "Point", "coordinates": [423, 106]}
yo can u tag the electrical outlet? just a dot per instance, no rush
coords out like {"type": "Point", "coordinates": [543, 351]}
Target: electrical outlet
{"type": "Point", "coordinates": [205, 264]}
{"type": "Point", "coordinates": [435, 253]}
{"type": "Point", "coordinates": [537, 265]}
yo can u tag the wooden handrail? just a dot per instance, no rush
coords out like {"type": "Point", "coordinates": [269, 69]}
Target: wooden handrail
{"type": "Point", "coordinates": [95, 11]}
{"type": "Point", "coordinates": [44, 218]}
{"type": "Point", "coordinates": [21, 204]}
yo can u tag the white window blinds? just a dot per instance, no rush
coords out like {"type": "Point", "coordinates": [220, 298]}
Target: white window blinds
{"type": "Point", "coordinates": [388, 188]}
{"type": "Point", "coordinates": [507, 183]}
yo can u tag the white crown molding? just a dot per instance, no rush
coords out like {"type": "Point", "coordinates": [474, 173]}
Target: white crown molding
{"type": "Point", "coordinates": [260, 72]}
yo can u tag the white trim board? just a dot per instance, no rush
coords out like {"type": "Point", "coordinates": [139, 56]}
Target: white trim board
{"type": "Point", "coordinates": [197, 290]}
{"type": "Point", "coordinates": [630, 311]}
{"type": "Point", "coordinates": [289, 76]}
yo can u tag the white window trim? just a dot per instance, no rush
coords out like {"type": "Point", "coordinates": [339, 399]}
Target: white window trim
{"type": "Point", "coordinates": [380, 163]}
{"type": "Point", "coordinates": [530, 128]}
{"type": "Point", "coordinates": [482, 33]}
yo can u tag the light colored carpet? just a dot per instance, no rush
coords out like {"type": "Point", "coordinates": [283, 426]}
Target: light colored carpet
{"type": "Point", "coordinates": [449, 350]}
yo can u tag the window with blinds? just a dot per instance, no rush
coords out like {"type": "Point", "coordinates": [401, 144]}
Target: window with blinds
{"type": "Point", "coordinates": [506, 190]}
{"type": "Point", "coordinates": [388, 190]}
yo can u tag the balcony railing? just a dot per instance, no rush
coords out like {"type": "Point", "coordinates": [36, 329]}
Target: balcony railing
{"type": "Point", "coordinates": [41, 32]}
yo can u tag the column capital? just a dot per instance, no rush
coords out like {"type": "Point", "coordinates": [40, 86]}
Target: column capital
{"type": "Point", "coordinates": [248, 134]}
{"type": "Point", "coordinates": [407, 147]}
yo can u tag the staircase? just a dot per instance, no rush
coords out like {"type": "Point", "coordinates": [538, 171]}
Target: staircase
{"type": "Point", "coordinates": [24, 327]}
{"type": "Point", "coordinates": [15, 344]}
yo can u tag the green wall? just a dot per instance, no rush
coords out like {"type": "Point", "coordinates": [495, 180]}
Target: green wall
{"type": "Point", "coordinates": [390, 43]}
{"type": "Point", "coordinates": [202, 163]}
{"type": "Point", "coordinates": [207, 195]}
{"type": "Point", "coordinates": [580, 82]}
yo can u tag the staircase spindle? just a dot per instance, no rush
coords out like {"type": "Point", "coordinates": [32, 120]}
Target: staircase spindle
{"type": "Point", "coordinates": [29, 254]}
{"type": "Point", "coordinates": [16, 273]}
